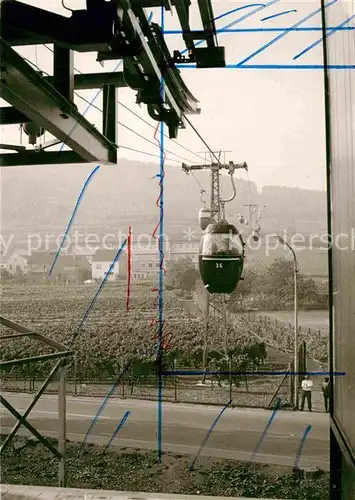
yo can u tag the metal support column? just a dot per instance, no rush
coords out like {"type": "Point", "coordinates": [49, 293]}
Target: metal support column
{"type": "Point", "coordinates": [297, 378]}
{"type": "Point", "coordinates": [290, 385]}
{"type": "Point", "coordinates": [62, 425]}
{"type": "Point", "coordinates": [63, 71]}
{"type": "Point", "coordinates": [109, 101]}
{"type": "Point", "coordinates": [205, 342]}
{"type": "Point", "coordinates": [225, 323]}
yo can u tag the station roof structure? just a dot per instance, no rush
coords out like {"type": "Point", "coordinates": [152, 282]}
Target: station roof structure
{"type": "Point", "coordinates": [115, 30]}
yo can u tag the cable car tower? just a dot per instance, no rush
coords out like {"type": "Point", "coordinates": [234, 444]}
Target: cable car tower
{"type": "Point", "coordinates": [254, 226]}
{"type": "Point", "coordinates": [221, 254]}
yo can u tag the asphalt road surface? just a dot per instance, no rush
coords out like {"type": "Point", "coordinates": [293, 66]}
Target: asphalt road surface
{"type": "Point", "coordinates": [235, 436]}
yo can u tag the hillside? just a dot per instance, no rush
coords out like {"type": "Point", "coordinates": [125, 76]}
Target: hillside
{"type": "Point", "coordinates": [311, 261]}
{"type": "Point", "coordinates": [41, 199]}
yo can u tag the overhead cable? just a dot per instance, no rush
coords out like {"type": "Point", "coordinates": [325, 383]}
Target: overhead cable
{"type": "Point", "coordinates": [131, 130]}
{"type": "Point", "coordinates": [120, 123]}
{"type": "Point", "coordinates": [139, 117]}
{"type": "Point", "coordinates": [202, 139]}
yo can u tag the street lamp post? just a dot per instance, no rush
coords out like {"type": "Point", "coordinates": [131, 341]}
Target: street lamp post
{"type": "Point", "coordinates": [295, 322]}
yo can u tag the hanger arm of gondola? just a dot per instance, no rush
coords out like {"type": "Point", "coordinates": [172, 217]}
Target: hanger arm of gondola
{"type": "Point", "coordinates": [232, 168]}
{"type": "Point", "coordinates": [231, 198]}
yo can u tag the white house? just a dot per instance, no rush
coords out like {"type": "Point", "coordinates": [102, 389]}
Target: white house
{"type": "Point", "coordinates": [145, 259]}
{"type": "Point", "coordinates": [137, 275]}
{"type": "Point", "coordinates": [102, 261]}
{"type": "Point", "coordinates": [145, 263]}
{"type": "Point", "coordinates": [16, 263]}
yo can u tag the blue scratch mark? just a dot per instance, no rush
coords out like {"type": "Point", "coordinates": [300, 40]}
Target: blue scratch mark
{"type": "Point", "coordinates": [276, 66]}
{"type": "Point", "coordinates": [103, 405]}
{"type": "Point", "coordinates": [291, 66]}
{"type": "Point", "coordinates": [161, 272]}
{"type": "Point", "coordinates": [277, 15]}
{"type": "Point", "coordinates": [334, 30]}
{"type": "Point", "coordinates": [239, 8]}
{"type": "Point", "coordinates": [240, 19]}
{"type": "Point", "coordinates": [120, 425]}
{"type": "Point", "coordinates": [246, 16]}
{"type": "Point", "coordinates": [209, 432]}
{"type": "Point", "coordinates": [71, 220]}
{"type": "Point", "coordinates": [277, 38]}
{"type": "Point", "coordinates": [277, 407]}
{"type": "Point", "coordinates": [189, 373]}
{"type": "Point", "coordinates": [262, 30]}
{"type": "Point", "coordinates": [101, 285]}
{"type": "Point", "coordinates": [298, 455]}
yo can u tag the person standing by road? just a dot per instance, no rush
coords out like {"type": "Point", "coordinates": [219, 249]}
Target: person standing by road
{"type": "Point", "coordinates": [306, 385]}
{"type": "Point", "coordinates": [325, 391]}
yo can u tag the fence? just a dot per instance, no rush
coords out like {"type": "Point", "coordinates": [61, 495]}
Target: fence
{"type": "Point", "coordinates": [252, 390]}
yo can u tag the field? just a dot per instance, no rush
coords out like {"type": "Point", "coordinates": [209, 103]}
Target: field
{"type": "Point", "coordinates": [111, 333]}
{"type": "Point", "coordinates": [111, 337]}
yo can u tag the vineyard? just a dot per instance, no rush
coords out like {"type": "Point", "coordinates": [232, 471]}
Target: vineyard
{"type": "Point", "coordinates": [111, 337]}
{"type": "Point", "coordinates": [281, 336]}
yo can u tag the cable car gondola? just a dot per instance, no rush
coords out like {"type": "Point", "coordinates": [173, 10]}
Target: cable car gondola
{"type": "Point", "coordinates": [256, 233]}
{"type": "Point", "coordinates": [221, 257]}
{"type": "Point", "coordinates": [241, 219]}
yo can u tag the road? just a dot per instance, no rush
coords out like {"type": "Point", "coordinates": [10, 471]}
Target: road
{"type": "Point", "coordinates": [184, 427]}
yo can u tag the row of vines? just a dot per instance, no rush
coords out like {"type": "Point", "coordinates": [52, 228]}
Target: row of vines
{"type": "Point", "coordinates": [112, 336]}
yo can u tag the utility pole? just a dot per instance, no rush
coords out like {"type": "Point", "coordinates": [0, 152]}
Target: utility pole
{"type": "Point", "coordinates": [295, 321]}
{"type": "Point", "coordinates": [215, 304]}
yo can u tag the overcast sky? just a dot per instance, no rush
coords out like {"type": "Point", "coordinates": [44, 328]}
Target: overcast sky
{"type": "Point", "coordinates": [273, 119]}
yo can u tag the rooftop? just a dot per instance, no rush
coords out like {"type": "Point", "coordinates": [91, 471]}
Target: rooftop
{"type": "Point", "coordinates": [46, 259]}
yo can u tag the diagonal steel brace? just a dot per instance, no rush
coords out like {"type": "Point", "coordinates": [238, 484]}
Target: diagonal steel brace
{"type": "Point", "coordinates": [12, 434]}
{"type": "Point", "coordinates": [28, 426]}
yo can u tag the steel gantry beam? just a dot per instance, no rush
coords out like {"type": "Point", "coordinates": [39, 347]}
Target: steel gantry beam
{"type": "Point", "coordinates": [85, 31]}
{"type": "Point", "coordinates": [32, 95]}
{"type": "Point", "coordinates": [11, 116]}
{"type": "Point", "coordinates": [116, 30]}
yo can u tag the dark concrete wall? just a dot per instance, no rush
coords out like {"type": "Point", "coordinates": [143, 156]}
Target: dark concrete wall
{"type": "Point", "coordinates": [341, 136]}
